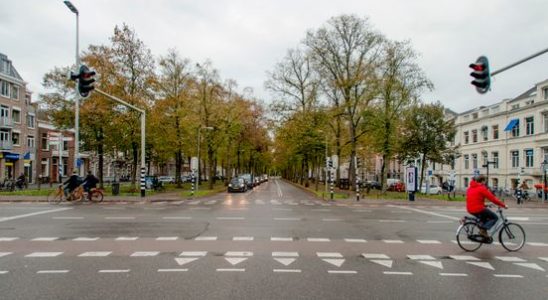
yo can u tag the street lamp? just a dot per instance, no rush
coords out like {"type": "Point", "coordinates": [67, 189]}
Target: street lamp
{"type": "Point", "coordinates": [77, 100]}
{"type": "Point", "coordinates": [486, 165]}
{"type": "Point", "coordinates": [199, 140]}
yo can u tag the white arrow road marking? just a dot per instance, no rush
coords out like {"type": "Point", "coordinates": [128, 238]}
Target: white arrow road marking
{"type": "Point", "coordinates": [185, 260]}
{"type": "Point", "coordinates": [235, 260]}
{"type": "Point", "coordinates": [436, 264]}
{"type": "Point", "coordinates": [5, 253]}
{"type": "Point", "coordinates": [485, 265]}
{"type": "Point", "coordinates": [386, 263]}
{"type": "Point", "coordinates": [531, 265]}
{"type": "Point", "coordinates": [34, 214]}
{"type": "Point", "coordinates": [375, 255]}
{"type": "Point", "coordinates": [95, 254]}
{"type": "Point", "coordinates": [463, 257]}
{"type": "Point", "coordinates": [193, 253]}
{"type": "Point", "coordinates": [334, 261]}
{"type": "Point", "coordinates": [285, 261]}
{"type": "Point", "coordinates": [420, 257]}
{"type": "Point", "coordinates": [510, 258]}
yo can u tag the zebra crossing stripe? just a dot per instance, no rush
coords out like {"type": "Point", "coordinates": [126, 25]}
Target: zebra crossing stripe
{"type": "Point", "coordinates": [2, 254]}
{"type": "Point", "coordinates": [95, 254]}
{"type": "Point", "coordinates": [45, 239]}
{"type": "Point", "coordinates": [44, 254]}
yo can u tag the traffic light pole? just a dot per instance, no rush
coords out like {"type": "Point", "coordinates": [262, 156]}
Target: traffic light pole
{"type": "Point", "coordinates": [143, 124]}
{"type": "Point", "coordinates": [519, 62]}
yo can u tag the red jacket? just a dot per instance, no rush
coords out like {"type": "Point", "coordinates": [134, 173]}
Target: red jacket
{"type": "Point", "coordinates": [475, 197]}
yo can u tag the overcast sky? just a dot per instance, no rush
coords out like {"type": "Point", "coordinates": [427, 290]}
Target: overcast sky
{"type": "Point", "coordinates": [244, 39]}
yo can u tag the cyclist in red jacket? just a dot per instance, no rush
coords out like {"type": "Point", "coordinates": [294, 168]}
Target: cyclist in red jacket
{"type": "Point", "coordinates": [475, 203]}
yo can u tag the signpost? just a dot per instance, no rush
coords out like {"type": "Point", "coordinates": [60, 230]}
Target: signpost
{"type": "Point", "coordinates": [57, 138]}
{"type": "Point", "coordinates": [411, 182]}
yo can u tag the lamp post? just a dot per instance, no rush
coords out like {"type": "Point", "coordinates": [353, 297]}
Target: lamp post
{"type": "Point", "coordinates": [77, 100]}
{"type": "Point", "coordinates": [544, 166]}
{"type": "Point", "coordinates": [199, 142]}
{"type": "Point", "coordinates": [486, 165]}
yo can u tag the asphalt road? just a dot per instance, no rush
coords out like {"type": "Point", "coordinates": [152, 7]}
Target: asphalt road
{"type": "Point", "coordinates": [275, 242]}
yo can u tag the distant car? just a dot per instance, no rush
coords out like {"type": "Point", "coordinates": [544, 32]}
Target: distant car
{"type": "Point", "coordinates": [433, 189]}
{"type": "Point", "coordinates": [237, 184]}
{"type": "Point", "coordinates": [397, 186]}
{"type": "Point", "coordinates": [166, 179]}
{"type": "Point", "coordinates": [249, 180]}
{"type": "Point", "coordinates": [374, 185]}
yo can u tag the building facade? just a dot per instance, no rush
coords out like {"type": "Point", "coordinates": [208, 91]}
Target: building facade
{"type": "Point", "coordinates": [18, 127]}
{"type": "Point", "coordinates": [508, 141]}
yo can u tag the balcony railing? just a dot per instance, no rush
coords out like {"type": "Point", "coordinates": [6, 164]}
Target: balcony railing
{"type": "Point", "coordinates": [6, 145]}
{"type": "Point", "coordinates": [6, 122]}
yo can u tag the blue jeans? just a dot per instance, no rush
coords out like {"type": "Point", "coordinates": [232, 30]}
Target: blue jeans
{"type": "Point", "coordinates": [487, 218]}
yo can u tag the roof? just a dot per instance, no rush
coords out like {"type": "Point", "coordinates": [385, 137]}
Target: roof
{"type": "Point", "coordinates": [526, 94]}
{"type": "Point", "coordinates": [7, 68]}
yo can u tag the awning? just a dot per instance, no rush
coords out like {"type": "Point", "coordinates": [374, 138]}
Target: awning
{"type": "Point", "coordinates": [26, 156]}
{"type": "Point", "coordinates": [11, 156]}
{"type": "Point", "coordinates": [513, 123]}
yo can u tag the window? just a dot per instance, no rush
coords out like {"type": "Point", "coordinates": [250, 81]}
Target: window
{"type": "Point", "coordinates": [495, 129]}
{"type": "Point", "coordinates": [465, 181]}
{"type": "Point", "coordinates": [484, 132]}
{"type": "Point", "coordinates": [528, 158]}
{"type": "Point", "coordinates": [545, 116]}
{"type": "Point", "coordinates": [529, 125]}
{"type": "Point", "coordinates": [16, 115]}
{"type": "Point", "coordinates": [65, 146]}
{"type": "Point", "coordinates": [15, 138]}
{"type": "Point", "coordinates": [30, 121]}
{"type": "Point", "coordinates": [466, 161]}
{"type": "Point", "coordinates": [44, 141]}
{"type": "Point", "coordinates": [45, 167]}
{"type": "Point", "coordinates": [515, 106]}
{"type": "Point", "coordinates": [475, 115]}
{"type": "Point", "coordinates": [495, 156]}
{"type": "Point", "coordinates": [474, 161]}
{"type": "Point", "coordinates": [545, 156]}
{"type": "Point", "coordinates": [466, 137]}
{"type": "Point", "coordinates": [545, 93]}
{"type": "Point", "coordinates": [15, 92]}
{"type": "Point", "coordinates": [474, 136]}
{"type": "Point", "coordinates": [515, 130]}
{"type": "Point", "coordinates": [30, 142]}
{"type": "Point", "coordinates": [4, 88]}
{"type": "Point", "coordinates": [515, 159]}
{"type": "Point", "coordinates": [484, 158]}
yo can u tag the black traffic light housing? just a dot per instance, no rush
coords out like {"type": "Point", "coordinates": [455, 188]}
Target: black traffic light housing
{"type": "Point", "coordinates": [481, 74]}
{"type": "Point", "coordinates": [85, 81]}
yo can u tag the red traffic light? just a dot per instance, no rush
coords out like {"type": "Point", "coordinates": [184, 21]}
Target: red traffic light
{"type": "Point", "coordinates": [477, 67]}
{"type": "Point", "coordinates": [481, 75]}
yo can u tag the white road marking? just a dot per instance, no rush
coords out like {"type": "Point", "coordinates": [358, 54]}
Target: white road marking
{"type": "Point", "coordinates": [510, 258]}
{"type": "Point", "coordinates": [329, 254]}
{"type": "Point", "coordinates": [355, 240]}
{"type": "Point", "coordinates": [287, 219]}
{"type": "Point", "coordinates": [531, 266]}
{"type": "Point", "coordinates": [382, 262]}
{"type": "Point", "coordinates": [114, 208]}
{"type": "Point", "coordinates": [392, 221]}
{"type": "Point", "coordinates": [239, 253]}
{"type": "Point", "coordinates": [52, 272]}
{"type": "Point", "coordinates": [375, 256]}
{"type": "Point", "coordinates": [4, 219]}
{"type": "Point", "coordinates": [177, 218]}
{"type": "Point", "coordinates": [400, 212]}
{"type": "Point", "coordinates": [45, 239]}
{"type": "Point", "coordinates": [518, 218]}
{"type": "Point", "coordinates": [127, 238]}
{"type": "Point", "coordinates": [114, 271]}
{"type": "Point", "coordinates": [323, 240]}
{"type": "Point", "coordinates": [242, 238]}
{"type": "Point", "coordinates": [8, 239]}
{"type": "Point", "coordinates": [435, 264]}
{"type": "Point", "coordinates": [211, 202]}
{"type": "Point", "coordinates": [361, 210]}
{"type": "Point", "coordinates": [230, 218]}
{"type": "Point", "coordinates": [538, 244]}
{"type": "Point", "coordinates": [4, 272]}
{"type": "Point", "coordinates": [235, 260]}
{"type": "Point", "coordinates": [144, 253]}
{"type": "Point", "coordinates": [439, 222]}
{"type": "Point", "coordinates": [397, 273]}
{"type": "Point", "coordinates": [342, 272]}
{"type": "Point", "coordinates": [420, 257]}
{"type": "Point", "coordinates": [185, 260]}
{"type": "Point", "coordinates": [508, 276]}
{"type": "Point", "coordinates": [454, 274]}
{"type": "Point", "coordinates": [193, 253]}
{"type": "Point", "coordinates": [543, 258]}
{"type": "Point", "coordinates": [321, 209]}
{"type": "Point", "coordinates": [463, 257]}
{"type": "Point", "coordinates": [485, 265]}
{"type": "Point", "coordinates": [44, 254]}
{"type": "Point", "coordinates": [167, 238]}
{"type": "Point", "coordinates": [85, 239]}
{"type": "Point", "coordinates": [331, 220]}
{"type": "Point", "coordinates": [393, 241]}
{"type": "Point", "coordinates": [2, 254]}
{"type": "Point", "coordinates": [285, 254]}
{"type": "Point", "coordinates": [119, 218]}
{"type": "Point", "coordinates": [429, 242]}
{"type": "Point", "coordinates": [334, 261]}
{"type": "Point", "coordinates": [286, 271]}
{"type": "Point", "coordinates": [195, 202]}
{"type": "Point", "coordinates": [230, 270]}
{"type": "Point", "coordinates": [281, 239]}
{"type": "Point", "coordinates": [172, 270]}
{"type": "Point", "coordinates": [426, 212]}
{"type": "Point", "coordinates": [206, 238]}
{"type": "Point", "coordinates": [285, 261]}
{"type": "Point", "coordinates": [67, 218]}
{"type": "Point", "coordinates": [200, 208]}
{"type": "Point", "coordinates": [95, 254]}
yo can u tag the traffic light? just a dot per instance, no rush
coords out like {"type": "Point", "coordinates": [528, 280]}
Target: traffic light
{"type": "Point", "coordinates": [85, 81]}
{"type": "Point", "coordinates": [481, 74]}
{"type": "Point", "coordinates": [358, 163]}
{"type": "Point", "coordinates": [329, 163]}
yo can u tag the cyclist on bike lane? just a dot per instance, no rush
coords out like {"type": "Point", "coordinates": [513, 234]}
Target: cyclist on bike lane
{"type": "Point", "coordinates": [72, 183]}
{"type": "Point", "coordinates": [475, 204]}
{"type": "Point", "coordinates": [90, 182]}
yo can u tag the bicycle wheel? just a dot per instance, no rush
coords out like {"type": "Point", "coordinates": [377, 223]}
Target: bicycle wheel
{"type": "Point", "coordinates": [96, 196]}
{"type": "Point", "coordinates": [512, 237]}
{"type": "Point", "coordinates": [55, 197]}
{"type": "Point", "coordinates": [465, 230]}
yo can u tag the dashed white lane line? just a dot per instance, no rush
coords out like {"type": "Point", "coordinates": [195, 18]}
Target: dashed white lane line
{"type": "Point", "coordinates": [231, 270]}
{"type": "Point", "coordinates": [85, 239]}
{"type": "Point", "coordinates": [206, 238]}
{"type": "Point", "coordinates": [95, 254]}
{"type": "Point", "coordinates": [375, 256]}
{"type": "Point", "coordinates": [342, 272]}
{"type": "Point", "coordinates": [454, 274]}
{"type": "Point", "coordinates": [34, 214]}
{"type": "Point", "coordinates": [177, 218]}
{"type": "Point", "coordinates": [127, 238]}
{"type": "Point", "coordinates": [396, 273]}
{"type": "Point", "coordinates": [531, 266]}
{"type": "Point", "coordinates": [114, 271]}
{"type": "Point", "coordinates": [242, 238]}
{"type": "Point", "coordinates": [286, 271]}
{"type": "Point", "coordinates": [463, 257]}
{"type": "Point", "coordinates": [510, 258]}
{"type": "Point", "coordinates": [2, 254]}
{"type": "Point", "coordinates": [44, 254]}
{"type": "Point", "coordinates": [420, 257]}
{"type": "Point", "coordinates": [8, 239]}
{"type": "Point", "coordinates": [230, 218]}
{"type": "Point", "coordinates": [355, 240]}
{"type": "Point", "coordinates": [392, 221]}
{"type": "Point", "coordinates": [429, 241]}
{"type": "Point", "coordinates": [543, 258]}
{"type": "Point", "coordinates": [518, 218]}
{"type": "Point", "coordinates": [508, 276]}
{"type": "Point", "coordinates": [3, 272]}
{"type": "Point", "coordinates": [114, 208]}
{"type": "Point", "coordinates": [67, 218]}
{"type": "Point", "coordinates": [200, 208]}
{"type": "Point", "coordinates": [331, 220]}
{"type": "Point", "coordinates": [425, 212]}
{"type": "Point", "coordinates": [281, 239]}
{"type": "Point", "coordinates": [538, 244]}
{"type": "Point", "coordinates": [440, 222]}
{"type": "Point", "coordinates": [287, 219]}
{"type": "Point", "coordinates": [393, 241]}
{"type": "Point", "coordinates": [167, 238]}
{"type": "Point", "coordinates": [239, 253]}
{"type": "Point", "coordinates": [285, 254]}
{"type": "Point", "coordinates": [329, 254]}
{"type": "Point", "coordinates": [321, 240]}
{"type": "Point", "coordinates": [144, 253]}
{"type": "Point", "coordinates": [52, 272]}
{"type": "Point", "coordinates": [172, 270]}
{"type": "Point", "coordinates": [119, 218]}
{"type": "Point", "coordinates": [45, 239]}
{"type": "Point", "coordinates": [193, 253]}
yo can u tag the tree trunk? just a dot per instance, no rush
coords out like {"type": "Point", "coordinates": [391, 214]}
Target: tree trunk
{"type": "Point", "coordinates": [178, 163]}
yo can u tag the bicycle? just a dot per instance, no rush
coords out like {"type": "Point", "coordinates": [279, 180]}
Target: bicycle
{"type": "Point", "coordinates": [58, 195]}
{"type": "Point", "coordinates": [94, 195]}
{"type": "Point", "coordinates": [511, 235]}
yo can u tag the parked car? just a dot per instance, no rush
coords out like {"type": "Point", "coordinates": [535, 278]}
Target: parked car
{"type": "Point", "coordinates": [166, 179]}
{"type": "Point", "coordinates": [433, 189]}
{"type": "Point", "coordinates": [249, 180]}
{"type": "Point", "coordinates": [374, 185]}
{"type": "Point", "coordinates": [397, 186]}
{"type": "Point", "coordinates": [237, 184]}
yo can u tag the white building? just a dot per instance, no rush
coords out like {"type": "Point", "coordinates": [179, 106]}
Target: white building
{"type": "Point", "coordinates": [511, 135]}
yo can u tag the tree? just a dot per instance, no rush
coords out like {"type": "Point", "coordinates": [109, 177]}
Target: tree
{"type": "Point", "coordinates": [427, 135]}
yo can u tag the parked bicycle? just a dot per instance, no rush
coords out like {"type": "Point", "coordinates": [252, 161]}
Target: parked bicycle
{"type": "Point", "coordinates": [58, 195]}
{"type": "Point", "coordinates": [511, 235]}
